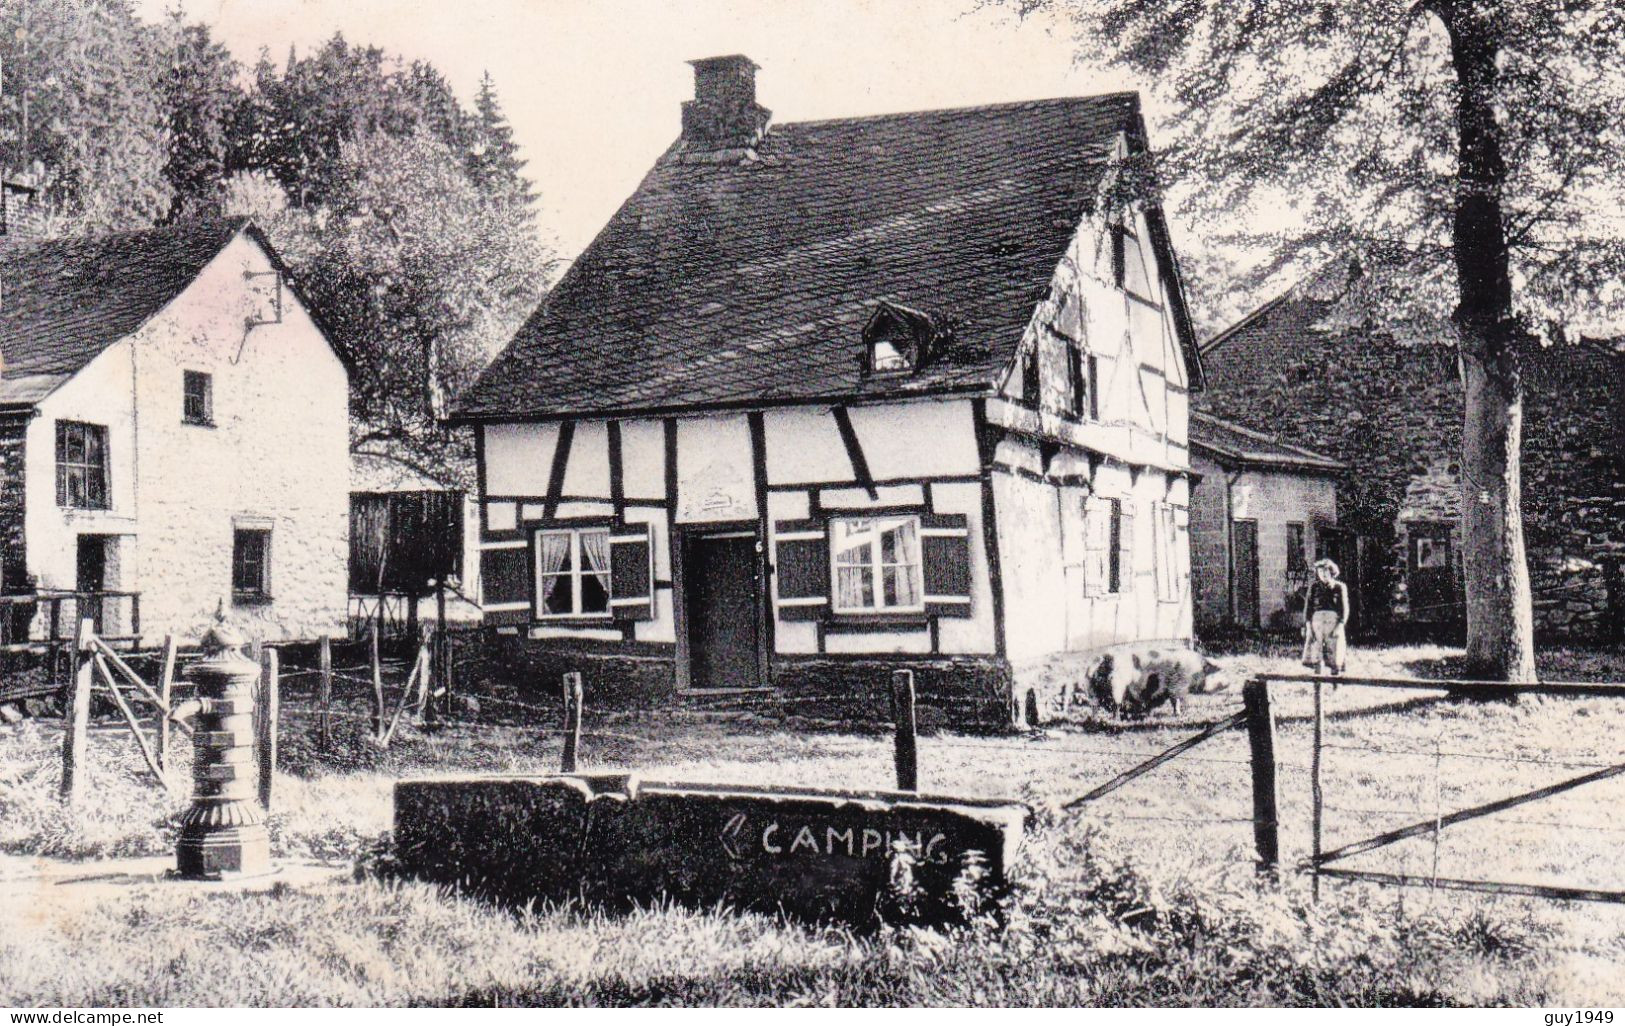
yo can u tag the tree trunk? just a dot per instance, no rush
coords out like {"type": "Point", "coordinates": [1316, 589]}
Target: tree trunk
{"type": "Point", "coordinates": [1500, 624]}
{"type": "Point", "coordinates": [1500, 631]}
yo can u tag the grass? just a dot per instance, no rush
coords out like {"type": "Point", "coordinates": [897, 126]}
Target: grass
{"type": "Point", "coordinates": [1146, 897]}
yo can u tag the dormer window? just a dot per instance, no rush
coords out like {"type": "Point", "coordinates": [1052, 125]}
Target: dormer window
{"type": "Point", "coordinates": [897, 340]}
{"type": "Point", "coordinates": [886, 355]}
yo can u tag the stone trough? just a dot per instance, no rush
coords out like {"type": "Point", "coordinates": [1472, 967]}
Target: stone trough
{"type": "Point", "coordinates": [617, 840]}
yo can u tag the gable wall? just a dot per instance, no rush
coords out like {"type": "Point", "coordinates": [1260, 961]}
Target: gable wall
{"type": "Point", "coordinates": [277, 456]}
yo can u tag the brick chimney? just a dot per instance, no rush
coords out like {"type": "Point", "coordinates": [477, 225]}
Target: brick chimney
{"type": "Point", "coordinates": [22, 215]}
{"type": "Point", "coordinates": [724, 115]}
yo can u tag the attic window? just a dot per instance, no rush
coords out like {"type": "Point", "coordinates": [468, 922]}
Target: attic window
{"type": "Point", "coordinates": [885, 356]}
{"type": "Point", "coordinates": [897, 340]}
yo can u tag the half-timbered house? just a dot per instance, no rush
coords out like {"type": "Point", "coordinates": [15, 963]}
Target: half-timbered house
{"type": "Point", "coordinates": [830, 398]}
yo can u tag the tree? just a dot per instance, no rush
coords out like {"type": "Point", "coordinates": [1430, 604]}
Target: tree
{"type": "Point", "coordinates": [419, 275]}
{"type": "Point", "coordinates": [200, 92]}
{"type": "Point", "coordinates": [1467, 152]}
{"type": "Point", "coordinates": [493, 157]}
{"type": "Point", "coordinates": [88, 72]}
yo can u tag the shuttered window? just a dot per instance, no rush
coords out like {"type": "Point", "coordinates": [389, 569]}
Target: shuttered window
{"type": "Point", "coordinates": [864, 565]}
{"type": "Point", "coordinates": [1108, 546]}
{"type": "Point", "coordinates": [572, 573]}
{"type": "Point", "coordinates": [876, 562]}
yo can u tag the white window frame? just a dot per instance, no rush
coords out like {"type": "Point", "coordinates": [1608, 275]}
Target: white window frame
{"type": "Point", "coordinates": [575, 573]}
{"type": "Point", "coordinates": [877, 567]}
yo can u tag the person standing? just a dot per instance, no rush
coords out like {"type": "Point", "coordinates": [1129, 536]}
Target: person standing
{"type": "Point", "coordinates": [1325, 620]}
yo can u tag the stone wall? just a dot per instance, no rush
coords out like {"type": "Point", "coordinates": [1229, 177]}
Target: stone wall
{"type": "Point", "coordinates": [614, 675]}
{"type": "Point", "coordinates": [1393, 412]}
{"type": "Point", "coordinates": [959, 691]}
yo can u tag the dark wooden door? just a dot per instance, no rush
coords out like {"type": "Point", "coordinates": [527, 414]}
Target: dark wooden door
{"type": "Point", "coordinates": [720, 590]}
{"type": "Point", "coordinates": [1430, 572]}
{"type": "Point", "coordinates": [91, 575]}
{"type": "Point", "coordinates": [1244, 570]}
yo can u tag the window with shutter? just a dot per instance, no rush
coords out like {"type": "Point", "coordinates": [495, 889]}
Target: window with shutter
{"type": "Point", "coordinates": [801, 569]}
{"type": "Point", "coordinates": [573, 573]}
{"type": "Point", "coordinates": [877, 566]}
{"type": "Point", "coordinates": [632, 573]}
{"type": "Point", "coordinates": [945, 550]}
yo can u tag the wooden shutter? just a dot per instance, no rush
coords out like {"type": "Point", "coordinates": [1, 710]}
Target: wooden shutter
{"type": "Point", "coordinates": [1096, 545]}
{"type": "Point", "coordinates": [631, 572]}
{"type": "Point", "coordinates": [945, 555]}
{"type": "Point", "coordinates": [801, 569]}
{"type": "Point", "coordinates": [506, 583]}
{"type": "Point", "coordinates": [1125, 547]}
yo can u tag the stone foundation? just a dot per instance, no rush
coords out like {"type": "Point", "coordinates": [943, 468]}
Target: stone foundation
{"type": "Point", "coordinates": [956, 691]}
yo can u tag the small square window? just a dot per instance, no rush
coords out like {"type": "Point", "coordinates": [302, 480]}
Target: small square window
{"type": "Point", "coordinates": [572, 573]}
{"type": "Point", "coordinates": [251, 565]}
{"type": "Point", "coordinates": [876, 564]}
{"type": "Point", "coordinates": [197, 401]}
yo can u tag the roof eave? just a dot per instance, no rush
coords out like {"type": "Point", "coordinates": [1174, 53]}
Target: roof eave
{"type": "Point", "coordinates": [466, 418]}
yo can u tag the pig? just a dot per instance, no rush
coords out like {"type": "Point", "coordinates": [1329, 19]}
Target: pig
{"type": "Point", "coordinates": [1131, 681]}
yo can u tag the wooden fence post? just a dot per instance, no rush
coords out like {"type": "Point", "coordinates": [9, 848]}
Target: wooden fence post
{"type": "Point", "coordinates": [1261, 741]}
{"type": "Point", "coordinates": [166, 683]}
{"type": "Point", "coordinates": [1316, 796]}
{"type": "Point", "coordinates": [78, 719]}
{"type": "Point", "coordinates": [377, 686]}
{"type": "Point", "coordinates": [324, 697]}
{"type": "Point", "coordinates": [572, 722]}
{"type": "Point", "coordinates": [269, 704]}
{"type": "Point", "coordinates": [905, 753]}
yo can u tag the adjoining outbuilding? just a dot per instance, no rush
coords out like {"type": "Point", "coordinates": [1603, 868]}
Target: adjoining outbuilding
{"type": "Point", "coordinates": [173, 435]}
{"type": "Point", "coordinates": [1386, 399]}
{"type": "Point", "coordinates": [1261, 513]}
{"type": "Point", "coordinates": [831, 398]}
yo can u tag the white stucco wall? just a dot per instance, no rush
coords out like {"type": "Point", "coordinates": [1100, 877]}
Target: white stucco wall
{"type": "Point", "coordinates": [715, 483]}
{"type": "Point", "coordinates": [277, 457]}
{"type": "Point", "coordinates": [1272, 499]}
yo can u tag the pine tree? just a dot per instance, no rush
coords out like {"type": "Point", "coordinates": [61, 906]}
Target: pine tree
{"type": "Point", "coordinates": [493, 160]}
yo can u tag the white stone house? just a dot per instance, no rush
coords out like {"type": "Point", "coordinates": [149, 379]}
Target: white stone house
{"type": "Point", "coordinates": [174, 431]}
{"type": "Point", "coordinates": [828, 399]}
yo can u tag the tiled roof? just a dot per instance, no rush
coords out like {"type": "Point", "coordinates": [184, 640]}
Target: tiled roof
{"type": "Point", "coordinates": [740, 283]}
{"type": "Point", "coordinates": [64, 301]}
{"type": "Point", "coordinates": [1230, 444]}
